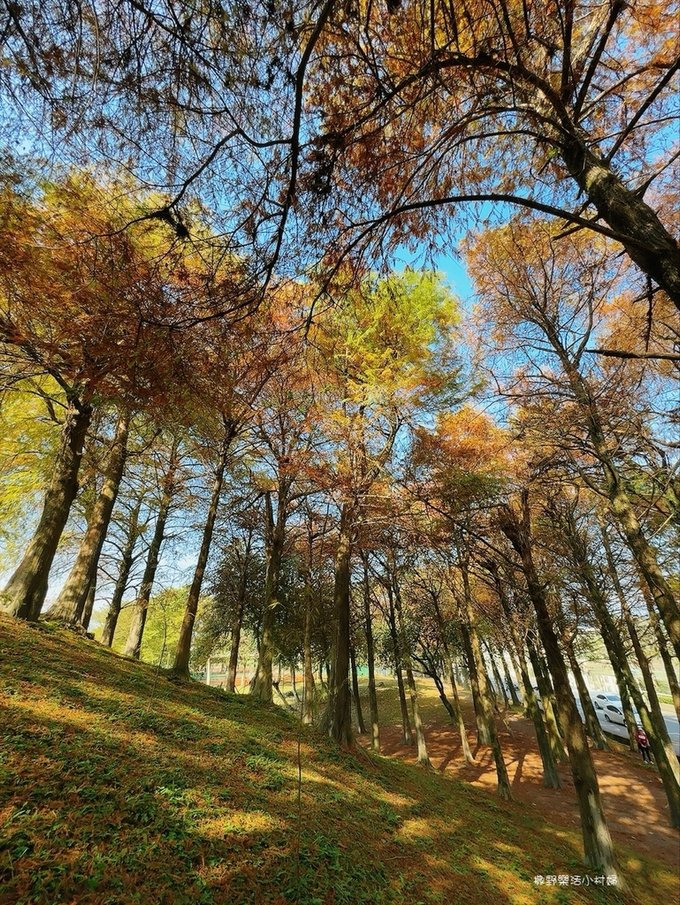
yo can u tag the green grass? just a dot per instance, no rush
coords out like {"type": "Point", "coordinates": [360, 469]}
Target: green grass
{"type": "Point", "coordinates": [120, 786]}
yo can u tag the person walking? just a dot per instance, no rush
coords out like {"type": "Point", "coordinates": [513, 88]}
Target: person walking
{"type": "Point", "coordinates": [643, 745]}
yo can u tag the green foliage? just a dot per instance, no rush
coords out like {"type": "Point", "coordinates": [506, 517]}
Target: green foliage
{"type": "Point", "coordinates": [396, 337]}
{"type": "Point", "coordinates": [29, 439]}
{"type": "Point", "coordinates": [163, 622]}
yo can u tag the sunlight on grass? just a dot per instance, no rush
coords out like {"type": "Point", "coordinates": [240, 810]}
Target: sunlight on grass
{"type": "Point", "coordinates": [125, 769]}
{"type": "Point", "coordinates": [239, 823]}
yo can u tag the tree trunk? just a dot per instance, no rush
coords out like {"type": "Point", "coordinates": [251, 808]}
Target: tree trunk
{"type": "Point", "coordinates": [619, 501]}
{"type": "Point", "coordinates": [439, 685]}
{"type": "Point", "coordinates": [653, 724]}
{"type": "Point", "coordinates": [308, 690]}
{"type": "Point", "coordinates": [89, 604]}
{"type": "Point", "coordinates": [598, 847]}
{"type": "Point", "coordinates": [509, 681]}
{"type": "Point", "coordinates": [465, 745]}
{"type": "Point", "coordinates": [642, 233]}
{"type": "Point", "coordinates": [592, 722]}
{"type": "Point", "coordinates": [340, 711]}
{"type": "Point", "coordinates": [653, 618]}
{"type": "Point", "coordinates": [293, 679]}
{"type": "Point", "coordinates": [516, 670]}
{"type": "Point", "coordinates": [483, 688]}
{"type": "Point", "coordinates": [370, 654]}
{"type": "Point", "coordinates": [551, 777]}
{"type": "Point", "coordinates": [355, 691]}
{"type": "Point", "coordinates": [123, 574]}
{"type": "Point", "coordinates": [181, 664]}
{"type": "Point", "coordinates": [238, 618]}
{"type": "Point", "coordinates": [421, 744]}
{"type": "Point", "coordinates": [71, 601]}
{"type": "Point", "coordinates": [407, 734]}
{"type": "Point", "coordinates": [646, 561]}
{"type": "Point", "coordinates": [483, 737]}
{"type": "Point", "coordinates": [133, 645]}
{"type": "Point", "coordinates": [545, 692]}
{"type": "Point", "coordinates": [627, 707]}
{"type": "Point", "coordinates": [24, 593]}
{"type": "Point", "coordinates": [671, 675]}
{"type": "Point", "coordinates": [652, 721]}
{"type": "Point", "coordinates": [275, 531]}
{"type": "Point", "coordinates": [497, 676]}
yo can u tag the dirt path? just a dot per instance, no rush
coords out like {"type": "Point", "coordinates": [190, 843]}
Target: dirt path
{"type": "Point", "coordinates": [632, 794]}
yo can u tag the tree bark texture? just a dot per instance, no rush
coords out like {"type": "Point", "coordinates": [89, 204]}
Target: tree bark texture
{"type": "Point", "coordinates": [24, 593]}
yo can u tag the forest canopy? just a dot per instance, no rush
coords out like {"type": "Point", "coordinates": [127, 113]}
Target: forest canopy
{"type": "Point", "coordinates": [340, 339]}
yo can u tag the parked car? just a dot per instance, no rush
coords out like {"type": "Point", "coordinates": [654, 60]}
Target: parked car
{"type": "Point", "coordinates": [602, 699]}
{"type": "Point", "coordinates": [613, 713]}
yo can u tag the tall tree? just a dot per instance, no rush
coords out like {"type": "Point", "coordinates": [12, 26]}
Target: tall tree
{"type": "Point", "coordinates": [549, 301]}
{"type": "Point", "coordinates": [599, 850]}
{"type": "Point", "coordinates": [71, 601]}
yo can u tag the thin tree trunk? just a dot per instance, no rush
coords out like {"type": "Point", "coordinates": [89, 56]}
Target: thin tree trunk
{"type": "Point", "coordinates": [24, 593]}
{"type": "Point", "coordinates": [262, 683]}
{"type": "Point", "coordinates": [407, 734]}
{"type": "Point", "coordinates": [340, 711]}
{"type": "Point", "coordinates": [123, 574]}
{"type": "Point", "coordinates": [653, 618]}
{"type": "Point", "coordinates": [133, 645]}
{"type": "Point", "coordinates": [652, 720]}
{"type": "Point", "coordinates": [516, 670]}
{"type": "Point", "coordinates": [598, 847]}
{"type": "Point", "coordinates": [465, 745]}
{"type": "Point", "coordinates": [439, 685]}
{"type": "Point", "coordinates": [71, 600]}
{"type": "Point", "coordinates": [551, 776]}
{"type": "Point", "coordinates": [372, 692]}
{"type": "Point", "coordinates": [627, 707]}
{"type": "Point", "coordinates": [653, 724]}
{"type": "Point", "coordinates": [592, 722]}
{"type": "Point", "coordinates": [497, 676]}
{"type": "Point", "coordinates": [238, 618]}
{"type": "Point", "coordinates": [509, 681]}
{"type": "Point", "coordinates": [181, 665]}
{"type": "Point", "coordinates": [89, 604]}
{"type": "Point", "coordinates": [483, 737]}
{"type": "Point", "coordinates": [293, 678]}
{"type": "Point", "coordinates": [645, 558]}
{"type": "Point", "coordinates": [308, 690]}
{"type": "Point", "coordinates": [486, 706]}
{"type": "Point", "coordinates": [671, 675]}
{"type": "Point", "coordinates": [545, 692]}
{"type": "Point", "coordinates": [619, 502]}
{"type": "Point", "coordinates": [421, 744]}
{"type": "Point", "coordinates": [355, 691]}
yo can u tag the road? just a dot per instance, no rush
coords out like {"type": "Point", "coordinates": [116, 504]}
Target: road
{"type": "Point", "coordinates": [622, 733]}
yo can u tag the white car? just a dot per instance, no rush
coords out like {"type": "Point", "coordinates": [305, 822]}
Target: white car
{"type": "Point", "coordinates": [601, 700]}
{"type": "Point", "coordinates": [613, 713]}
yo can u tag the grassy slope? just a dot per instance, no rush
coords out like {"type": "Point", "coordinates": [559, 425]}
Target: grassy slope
{"type": "Point", "coordinates": [118, 786]}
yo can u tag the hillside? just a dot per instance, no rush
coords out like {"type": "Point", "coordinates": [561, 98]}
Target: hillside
{"type": "Point", "coordinates": [119, 786]}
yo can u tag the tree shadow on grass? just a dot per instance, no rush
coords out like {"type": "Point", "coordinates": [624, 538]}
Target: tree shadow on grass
{"type": "Point", "coordinates": [191, 796]}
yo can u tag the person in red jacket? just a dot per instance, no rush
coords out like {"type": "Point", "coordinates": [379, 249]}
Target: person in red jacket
{"type": "Point", "coordinates": [643, 745]}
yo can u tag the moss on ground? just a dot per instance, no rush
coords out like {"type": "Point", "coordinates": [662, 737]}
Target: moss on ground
{"type": "Point", "coordinates": [120, 786]}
